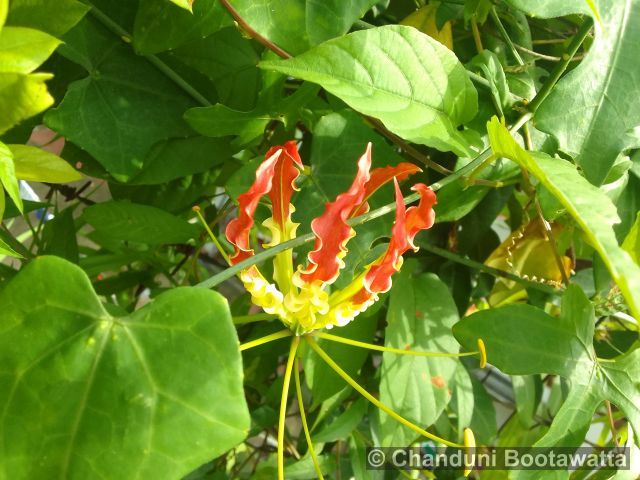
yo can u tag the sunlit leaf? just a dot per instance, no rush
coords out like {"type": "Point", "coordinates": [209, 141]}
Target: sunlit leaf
{"type": "Point", "coordinates": [22, 50]}
{"type": "Point", "coordinates": [22, 96]}
{"type": "Point", "coordinates": [412, 83]}
{"type": "Point", "coordinates": [54, 18]}
{"type": "Point", "coordinates": [38, 165]}
{"type": "Point", "coordinates": [8, 176]}
{"type": "Point", "coordinates": [590, 101]}
{"type": "Point", "coordinates": [297, 25]}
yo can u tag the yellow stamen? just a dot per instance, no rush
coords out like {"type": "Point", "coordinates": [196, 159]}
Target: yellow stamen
{"type": "Point", "coordinates": [483, 353]}
{"type": "Point", "coordinates": [303, 418]}
{"type": "Point", "coordinates": [283, 405]}
{"type": "Point", "coordinates": [360, 389]}
{"type": "Point", "coordinates": [470, 451]}
{"type": "Point", "coordinates": [196, 209]}
{"type": "Point", "coordinates": [262, 340]}
{"type": "Point", "coordinates": [381, 348]}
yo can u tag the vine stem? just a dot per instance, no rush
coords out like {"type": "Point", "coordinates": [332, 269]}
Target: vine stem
{"type": "Point", "coordinates": [543, 287]}
{"type": "Point", "coordinates": [258, 317]}
{"type": "Point", "coordinates": [252, 33]}
{"type": "Point", "coordinates": [505, 35]}
{"type": "Point", "coordinates": [295, 341]}
{"type": "Point", "coordinates": [360, 389]}
{"type": "Point", "coordinates": [213, 238]}
{"type": "Point", "coordinates": [266, 339]}
{"type": "Point", "coordinates": [381, 348]}
{"type": "Point", "coordinates": [303, 418]}
{"type": "Point", "coordinates": [561, 66]}
{"type": "Point", "coordinates": [550, 236]}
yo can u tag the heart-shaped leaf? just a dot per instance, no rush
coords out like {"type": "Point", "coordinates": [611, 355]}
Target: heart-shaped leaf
{"type": "Point", "coordinates": [84, 394]}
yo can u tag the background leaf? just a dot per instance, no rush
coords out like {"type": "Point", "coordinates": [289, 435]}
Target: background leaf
{"type": "Point", "coordinates": [126, 221]}
{"type": "Point", "coordinates": [107, 101]}
{"type": "Point", "coordinates": [161, 25]}
{"type": "Point", "coordinates": [421, 314]}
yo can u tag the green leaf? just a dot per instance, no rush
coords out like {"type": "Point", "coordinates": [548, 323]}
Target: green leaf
{"type": "Point", "coordinates": [38, 165]}
{"type": "Point", "coordinates": [298, 25]}
{"type": "Point", "coordinates": [132, 114]}
{"type": "Point", "coordinates": [631, 243]}
{"type": "Point", "coordinates": [582, 119]}
{"type": "Point", "coordinates": [5, 248]}
{"type": "Point", "coordinates": [562, 346]}
{"type": "Point", "coordinates": [59, 236]}
{"type": "Point", "coordinates": [230, 61]}
{"type": "Point", "coordinates": [552, 8]}
{"type": "Point", "coordinates": [472, 407]}
{"type": "Point", "coordinates": [54, 18]}
{"type": "Point", "coordinates": [22, 50]}
{"type": "Point", "coordinates": [420, 316]}
{"type": "Point", "coordinates": [8, 177]}
{"type": "Point", "coordinates": [151, 395]}
{"type": "Point", "coordinates": [21, 97]}
{"type": "Point", "coordinates": [124, 221]}
{"type": "Point", "coordinates": [528, 392]}
{"type": "Point", "coordinates": [180, 157]}
{"type": "Point", "coordinates": [590, 207]}
{"type": "Point", "coordinates": [160, 26]}
{"type": "Point", "coordinates": [411, 82]}
{"type": "Point", "coordinates": [4, 8]}
{"type": "Point", "coordinates": [342, 426]}
{"type": "Point", "coordinates": [221, 121]}
{"type": "Point", "coordinates": [483, 421]}
{"type": "Point", "coordinates": [186, 4]}
{"type": "Point", "coordinates": [544, 346]}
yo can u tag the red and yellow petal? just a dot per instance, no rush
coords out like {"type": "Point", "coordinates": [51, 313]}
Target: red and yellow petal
{"type": "Point", "coordinates": [275, 177]}
{"type": "Point", "coordinates": [286, 172]}
{"type": "Point", "coordinates": [408, 223]}
{"type": "Point", "coordinates": [238, 229]}
{"type": "Point", "coordinates": [381, 176]}
{"type": "Point", "coordinates": [332, 231]}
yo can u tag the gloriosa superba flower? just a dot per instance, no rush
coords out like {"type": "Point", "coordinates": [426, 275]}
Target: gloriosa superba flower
{"type": "Point", "coordinates": [302, 297]}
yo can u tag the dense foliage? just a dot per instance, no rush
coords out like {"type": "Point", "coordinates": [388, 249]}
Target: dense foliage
{"type": "Point", "coordinates": [134, 133]}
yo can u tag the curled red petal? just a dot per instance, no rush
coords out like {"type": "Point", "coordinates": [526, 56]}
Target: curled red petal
{"type": "Point", "coordinates": [379, 177]}
{"type": "Point", "coordinates": [331, 229]}
{"type": "Point", "coordinates": [275, 176]}
{"type": "Point", "coordinates": [408, 223]}
{"type": "Point", "coordinates": [286, 172]}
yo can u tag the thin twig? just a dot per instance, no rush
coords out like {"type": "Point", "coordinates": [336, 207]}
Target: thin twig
{"type": "Point", "coordinates": [253, 33]}
{"type": "Point", "coordinates": [560, 67]}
